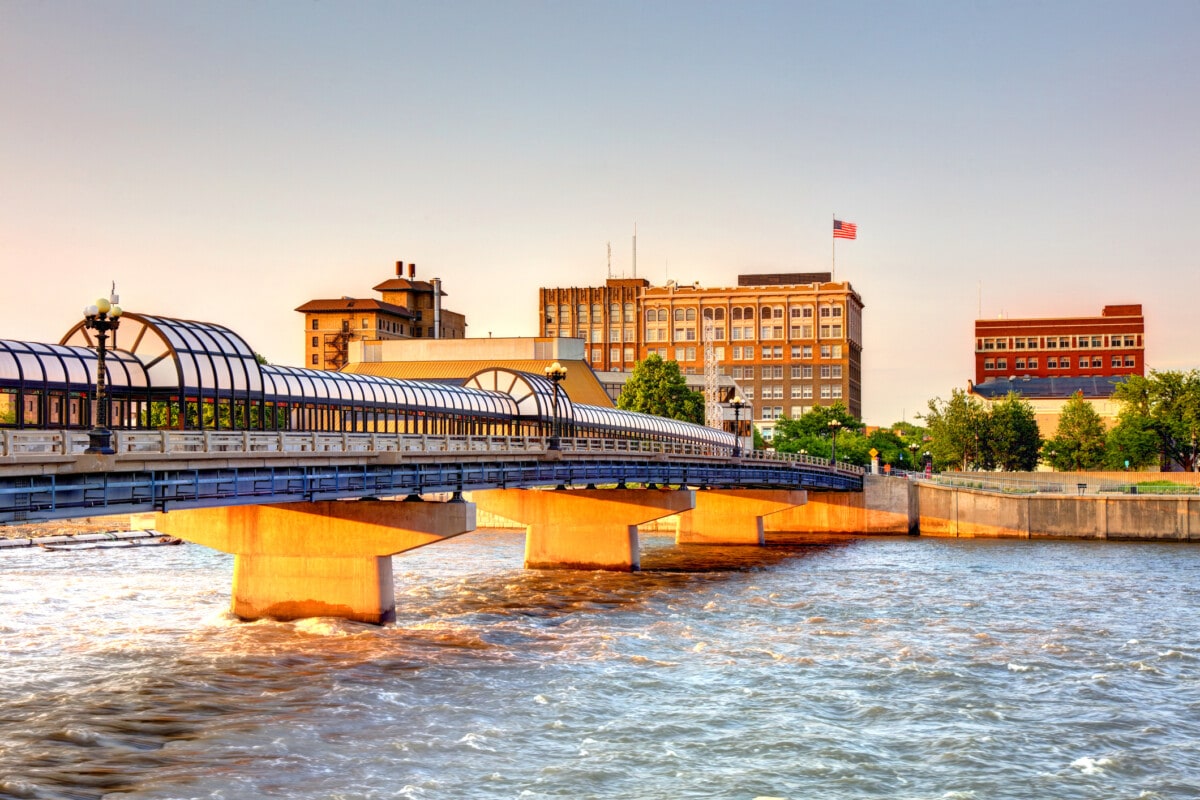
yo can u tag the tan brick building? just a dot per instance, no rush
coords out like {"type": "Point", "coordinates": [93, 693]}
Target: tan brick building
{"type": "Point", "coordinates": [408, 309]}
{"type": "Point", "coordinates": [791, 341]}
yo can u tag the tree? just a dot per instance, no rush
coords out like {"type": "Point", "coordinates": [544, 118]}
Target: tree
{"type": "Point", "coordinates": [1012, 441]}
{"type": "Point", "coordinates": [1132, 443]}
{"type": "Point", "coordinates": [1079, 442]}
{"type": "Point", "coordinates": [658, 387]}
{"type": "Point", "coordinates": [957, 428]}
{"type": "Point", "coordinates": [1167, 403]}
{"type": "Point", "coordinates": [811, 433]}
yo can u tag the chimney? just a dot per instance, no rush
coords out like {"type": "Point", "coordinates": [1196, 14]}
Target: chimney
{"type": "Point", "coordinates": [412, 271]}
{"type": "Point", "coordinates": [437, 307]}
{"type": "Point", "coordinates": [399, 269]}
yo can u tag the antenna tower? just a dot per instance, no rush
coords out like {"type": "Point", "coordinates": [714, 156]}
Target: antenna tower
{"type": "Point", "coordinates": [712, 407]}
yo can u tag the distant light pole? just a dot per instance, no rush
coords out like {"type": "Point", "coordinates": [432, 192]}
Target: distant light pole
{"type": "Point", "coordinates": [928, 463]}
{"type": "Point", "coordinates": [834, 427]}
{"type": "Point", "coordinates": [738, 404]}
{"type": "Point", "coordinates": [102, 317]}
{"type": "Point", "coordinates": [912, 449]}
{"type": "Point", "coordinates": [555, 372]}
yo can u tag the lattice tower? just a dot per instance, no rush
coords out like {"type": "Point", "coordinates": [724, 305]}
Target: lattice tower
{"type": "Point", "coordinates": [712, 406]}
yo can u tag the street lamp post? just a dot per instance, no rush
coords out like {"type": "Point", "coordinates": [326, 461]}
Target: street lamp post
{"type": "Point", "coordinates": [102, 317]}
{"type": "Point", "coordinates": [834, 427]}
{"type": "Point", "coordinates": [738, 404]}
{"type": "Point", "coordinates": [913, 448]}
{"type": "Point", "coordinates": [555, 372]}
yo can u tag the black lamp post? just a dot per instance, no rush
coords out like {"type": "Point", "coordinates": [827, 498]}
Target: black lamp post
{"type": "Point", "coordinates": [555, 372]}
{"type": "Point", "coordinates": [738, 404]}
{"type": "Point", "coordinates": [928, 462]}
{"type": "Point", "coordinates": [102, 317]}
{"type": "Point", "coordinates": [834, 427]}
{"type": "Point", "coordinates": [913, 448]}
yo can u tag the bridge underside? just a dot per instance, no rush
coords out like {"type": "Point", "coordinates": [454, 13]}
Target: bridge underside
{"type": "Point", "coordinates": [333, 558]}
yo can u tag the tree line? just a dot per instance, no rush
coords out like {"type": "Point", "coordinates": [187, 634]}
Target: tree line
{"type": "Point", "coordinates": [1158, 426]}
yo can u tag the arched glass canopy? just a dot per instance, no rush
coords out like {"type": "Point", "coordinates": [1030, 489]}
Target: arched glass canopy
{"type": "Point", "coordinates": [649, 425]}
{"type": "Point", "coordinates": [533, 394]}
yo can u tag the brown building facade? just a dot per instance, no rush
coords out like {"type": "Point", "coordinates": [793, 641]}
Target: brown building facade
{"type": "Point", "coordinates": [409, 309]}
{"type": "Point", "coordinates": [1112, 344]}
{"type": "Point", "coordinates": [791, 341]}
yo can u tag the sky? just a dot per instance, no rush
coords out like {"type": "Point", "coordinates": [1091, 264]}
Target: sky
{"type": "Point", "coordinates": [228, 161]}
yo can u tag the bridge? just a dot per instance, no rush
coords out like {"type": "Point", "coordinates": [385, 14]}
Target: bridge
{"type": "Point", "coordinates": [275, 500]}
{"type": "Point", "coordinates": [314, 479]}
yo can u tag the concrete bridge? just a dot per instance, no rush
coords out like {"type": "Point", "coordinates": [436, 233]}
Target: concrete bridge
{"type": "Point", "coordinates": [279, 501]}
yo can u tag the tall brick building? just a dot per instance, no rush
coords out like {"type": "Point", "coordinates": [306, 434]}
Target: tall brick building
{"type": "Point", "coordinates": [790, 340]}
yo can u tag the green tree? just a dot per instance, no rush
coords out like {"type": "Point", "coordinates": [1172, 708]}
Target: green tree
{"type": "Point", "coordinates": [1012, 441]}
{"type": "Point", "coordinates": [1079, 442]}
{"type": "Point", "coordinates": [957, 429]}
{"type": "Point", "coordinates": [658, 387]}
{"type": "Point", "coordinates": [1132, 443]}
{"type": "Point", "coordinates": [811, 433]}
{"type": "Point", "coordinates": [1168, 403]}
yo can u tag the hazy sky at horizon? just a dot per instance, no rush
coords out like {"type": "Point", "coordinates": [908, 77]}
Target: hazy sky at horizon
{"type": "Point", "coordinates": [229, 161]}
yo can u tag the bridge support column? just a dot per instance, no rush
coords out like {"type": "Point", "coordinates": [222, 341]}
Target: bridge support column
{"type": "Point", "coordinates": [583, 528]}
{"type": "Point", "coordinates": [320, 559]}
{"type": "Point", "coordinates": [733, 516]}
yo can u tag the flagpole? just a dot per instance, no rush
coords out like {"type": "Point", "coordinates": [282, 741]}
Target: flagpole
{"type": "Point", "coordinates": [833, 267]}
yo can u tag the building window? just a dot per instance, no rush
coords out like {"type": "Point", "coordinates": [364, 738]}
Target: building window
{"type": "Point", "coordinates": [826, 351]}
{"type": "Point", "coordinates": [691, 354]}
{"type": "Point", "coordinates": [1116, 361]}
{"type": "Point", "coordinates": [826, 391]}
{"type": "Point", "coordinates": [314, 359]}
{"type": "Point", "coordinates": [826, 372]}
{"type": "Point", "coordinates": [1051, 362]}
{"type": "Point", "coordinates": [1129, 341]}
{"type": "Point", "coordinates": [748, 392]}
{"type": "Point", "coordinates": [1033, 363]}
{"type": "Point", "coordinates": [679, 354]}
{"type": "Point", "coordinates": [806, 352]}
{"type": "Point", "coordinates": [1096, 341]}
{"type": "Point", "coordinates": [796, 390]}
{"type": "Point", "coordinates": [1084, 361]}
{"type": "Point", "coordinates": [614, 354]}
{"type": "Point", "coordinates": [314, 324]}
{"type": "Point", "coordinates": [806, 392]}
{"type": "Point", "coordinates": [1019, 343]}
{"type": "Point", "coordinates": [989, 363]}
{"type": "Point", "coordinates": [806, 371]}
{"type": "Point", "coordinates": [1097, 362]}
{"type": "Point", "coordinates": [737, 354]}
{"type": "Point", "coordinates": [1001, 363]}
{"type": "Point", "coordinates": [795, 371]}
{"type": "Point", "coordinates": [1130, 361]}
{"type": "Point", "coordinates": [837, 391]}
{"type": "Point", "coordinates": [1020, 364]}
{"type": "Point", "coordinates": [314, 341]}
{"type": "Point", "coordinates": [1051, 343]}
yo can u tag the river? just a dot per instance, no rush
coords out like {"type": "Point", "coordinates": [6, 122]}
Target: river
{"type": "Point", "coordinates": [860, 668]}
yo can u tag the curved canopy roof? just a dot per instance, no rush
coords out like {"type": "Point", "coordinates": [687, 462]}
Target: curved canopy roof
{"type": "Point", "coordinates": [58, 364]}
{"type": "Point", "coordinates": [320, 385]}
{"type": "Point", "coordinates": [533, 394]}
{"type": "Point", "coordinates": [634, 422]}
{"type": "Point", "coordinates": [199, 358]}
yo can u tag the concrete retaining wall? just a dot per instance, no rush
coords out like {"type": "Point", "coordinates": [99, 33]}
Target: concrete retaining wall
{"type": "Point", "coordinates": [948, 511]}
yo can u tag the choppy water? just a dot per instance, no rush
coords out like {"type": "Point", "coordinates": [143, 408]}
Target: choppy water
{"type": "Point", "coordinates": [898, 668]}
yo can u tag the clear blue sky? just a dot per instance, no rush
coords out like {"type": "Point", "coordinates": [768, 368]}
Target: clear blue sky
{"type": "Point", "coordinates": [229, 161]}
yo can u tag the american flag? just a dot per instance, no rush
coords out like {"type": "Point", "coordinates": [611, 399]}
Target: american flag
{"type": "Point", "coordinates": [844, 230]}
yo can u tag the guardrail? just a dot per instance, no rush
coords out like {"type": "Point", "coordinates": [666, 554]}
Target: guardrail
{"type": "Point", "coordinates": [1072, 485]}
{"type": "Point", "coordinates": [21, 445]}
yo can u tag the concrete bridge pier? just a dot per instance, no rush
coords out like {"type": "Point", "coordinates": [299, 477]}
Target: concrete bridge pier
{"type": "Point", "coordinates": [733, 516]}
{"type": "Point", "coordinates": [318, 559]}
{"type": "Point", "coordinates": [583, 528]}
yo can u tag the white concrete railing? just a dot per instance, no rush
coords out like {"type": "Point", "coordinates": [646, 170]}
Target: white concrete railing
{"type": "Point", "coordinates": [32, 444]}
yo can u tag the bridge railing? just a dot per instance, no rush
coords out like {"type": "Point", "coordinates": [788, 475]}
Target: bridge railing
{"type": "Point", "coordinates": [33, 444]}
{"type": "Point", "coordinates": [41, 443]}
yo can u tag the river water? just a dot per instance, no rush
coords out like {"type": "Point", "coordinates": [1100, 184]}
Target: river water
{"type": "Point", "coordinates": [863, 668]}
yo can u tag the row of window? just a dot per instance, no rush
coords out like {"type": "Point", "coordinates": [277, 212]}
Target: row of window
{"type": "Point", "coordinates": [827, 391]}
{"type": "Point", "coordinates": [797, 371]}
{"type": "Point", "coordinates": [749, 353]}
{"type": "Point", "coordinates": [1059, 342]}
{"type": "Point", "coordinates": [681, 333]}
{"type": "Point", "coordinates": [583, 313]}
{"type": "Point", "coordinates": [1085, 362]}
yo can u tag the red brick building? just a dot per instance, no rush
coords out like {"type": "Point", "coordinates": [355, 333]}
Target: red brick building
{"type": "Point", "coordinates": [1112, 344]}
